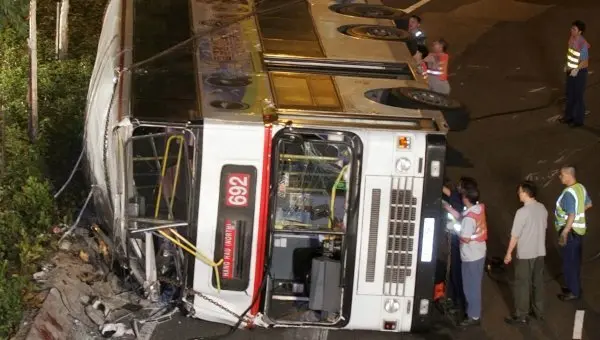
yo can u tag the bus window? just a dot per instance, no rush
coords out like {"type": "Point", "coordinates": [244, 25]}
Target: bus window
{"type": "Point", "coordinates": [161, 168]}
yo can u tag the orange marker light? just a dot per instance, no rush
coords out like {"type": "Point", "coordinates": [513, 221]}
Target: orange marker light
{"type": "Point", "coordinates": [403, 142]}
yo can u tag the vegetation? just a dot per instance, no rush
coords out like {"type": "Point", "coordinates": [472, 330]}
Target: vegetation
{"type": "Point", "coordinates": [29, 173]}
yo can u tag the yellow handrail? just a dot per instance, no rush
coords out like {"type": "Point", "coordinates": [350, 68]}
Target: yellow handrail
{"type": "Point", "coordinates": [333, 192]}
{"type": "Point", "coordinates": [188, 246]}
{"type": "Point", "coordinates": [163, 171]}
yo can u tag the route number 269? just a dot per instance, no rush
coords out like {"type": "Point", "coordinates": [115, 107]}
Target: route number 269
{"type": "Point", "coordinates": [237, 190]}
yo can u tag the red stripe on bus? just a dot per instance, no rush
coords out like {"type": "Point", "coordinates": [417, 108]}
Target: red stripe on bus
{"type": "Point", "coordinates": [262, 219]}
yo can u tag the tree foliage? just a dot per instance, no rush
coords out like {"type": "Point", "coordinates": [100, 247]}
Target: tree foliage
{"type": "Point", "coordinates": [13, 15]}
{"type": "Point", "coordinates": [31, 172]}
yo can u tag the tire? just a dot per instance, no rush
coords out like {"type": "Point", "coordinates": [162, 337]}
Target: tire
{"type": "Point", "coordinates": [427, 99]}
{"type": "Point", "coordinates": [455, 113]}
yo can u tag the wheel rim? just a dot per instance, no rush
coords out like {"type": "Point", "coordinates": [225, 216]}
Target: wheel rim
{"type": "Point", "coordinates": [377, 32]}
{"type": "Point", "coordinates": [431, 98]}
{"type": "Point", "coordinates": [227, 105]}
{"type": "Point", "coordinates": [228, 82]}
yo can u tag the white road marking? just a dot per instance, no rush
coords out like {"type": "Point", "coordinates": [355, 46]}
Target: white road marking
{"type": "Point", "coordinates": [578, 325]}
{"type": "Point", "coordinates": [416, 6]}
{"type": "Point", "coordinates": [537, 90]}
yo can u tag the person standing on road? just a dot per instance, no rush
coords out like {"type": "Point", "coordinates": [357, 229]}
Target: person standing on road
{"type": "Point", "coordinates": [473, 235]}
{"type": "Point", "coordinates": [454, 207]}
{"type": "Point", "coordinates": [437, 67]}
{"type": "Point", "coordinates": [416, 33]}
{"type": "Point", "coordinates": [570, 224]}
{"type": "Point", "coordinates": [528, 235]}
{"type": "Point", "coordinates": [576, 70]}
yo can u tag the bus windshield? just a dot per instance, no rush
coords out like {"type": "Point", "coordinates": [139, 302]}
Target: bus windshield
{"type": "Point", "coordinates": [312, 182]}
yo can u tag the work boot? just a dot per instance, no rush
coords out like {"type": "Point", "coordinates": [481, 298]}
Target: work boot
{"type": "Point", "coordinates": [516, 320]}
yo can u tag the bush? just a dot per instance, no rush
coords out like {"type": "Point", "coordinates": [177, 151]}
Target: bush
{"type": "Point", "coordinates": [29, 173]}
{"type": "Point", "coordinates": [10, 300]}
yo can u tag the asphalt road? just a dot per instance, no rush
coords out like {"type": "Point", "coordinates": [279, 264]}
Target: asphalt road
{"type": "Point", "coordinates": [506, 66]}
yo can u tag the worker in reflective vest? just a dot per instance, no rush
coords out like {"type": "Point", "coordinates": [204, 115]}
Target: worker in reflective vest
{"type": "Point", "coordinates": [576, 70]}
{"type": "Point", "coordinates": [416, 33]}
{"type": "Point", "coordinates": [480, 234]}
{"type": "Point", "coordinates": [570, 224]}
{"type": "Point", "coordinates": [437, 67]}
{"type": "Point", "coordinates": [473, 235]}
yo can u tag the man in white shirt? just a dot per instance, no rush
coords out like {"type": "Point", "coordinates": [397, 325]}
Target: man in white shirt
{"type": "Point", "coordinates": [528, 235]}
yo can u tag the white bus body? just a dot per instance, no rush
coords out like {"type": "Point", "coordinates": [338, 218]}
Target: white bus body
{"type": "Point", "coordinates": [306, 167]}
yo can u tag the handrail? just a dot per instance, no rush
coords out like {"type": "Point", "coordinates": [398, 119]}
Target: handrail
{"type": "Point", "coordinates": [159, 227]}
{"type": "Point", "coordinates": [163, 172]}
{"type": "Point", "coordinates": [333, 192]}
{"type": "Point", "coordinates": [188, 246]}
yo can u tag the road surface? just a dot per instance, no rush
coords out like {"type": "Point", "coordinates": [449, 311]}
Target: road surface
{"type": "Point", "coordinates": [506, 66]}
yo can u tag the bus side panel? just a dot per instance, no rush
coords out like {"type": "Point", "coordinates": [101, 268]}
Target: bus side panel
{"type": "Point", "coordinates": [232, 158]}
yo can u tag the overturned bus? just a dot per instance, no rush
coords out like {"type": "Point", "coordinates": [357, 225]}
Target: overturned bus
{"type": "Point", "coordinates": [285, 170]}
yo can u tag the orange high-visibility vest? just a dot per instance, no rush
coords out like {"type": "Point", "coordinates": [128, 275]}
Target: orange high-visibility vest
{"type": "Point", "coordinates": [440, 68]}
{"type": "Point", "coordinates": [480, 234]}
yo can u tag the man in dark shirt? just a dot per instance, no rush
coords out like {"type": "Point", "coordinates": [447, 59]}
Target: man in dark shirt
{"type": "Point", "coordinates": [416, 33]}
{"type": "Point", "coordinates": [453, 204]}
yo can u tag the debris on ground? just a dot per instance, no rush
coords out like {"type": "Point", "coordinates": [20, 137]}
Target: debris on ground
{"type": "Point", "coordinates": [83, 299]}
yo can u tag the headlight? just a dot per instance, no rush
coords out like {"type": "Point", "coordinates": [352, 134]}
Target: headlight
{"type": "Point", "coordinates": [424, 307]}
{"type": "Point", "coordinates": [403, 164]}
{"type": "Point", "coordinates": [391, 306]}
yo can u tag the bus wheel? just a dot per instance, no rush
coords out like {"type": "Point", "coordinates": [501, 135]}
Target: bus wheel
{"type": "Point", "coordinates": [427, 99]}
{"type": "Point", "coordinates": [368, 11]}
{"type": "Point", "coordinates": [376, 32]}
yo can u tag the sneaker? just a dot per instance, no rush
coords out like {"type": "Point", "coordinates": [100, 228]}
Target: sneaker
{"type": "Point", "coordinates": [468, 322]}
{"type": "Point", "coordinates": [568, 297]}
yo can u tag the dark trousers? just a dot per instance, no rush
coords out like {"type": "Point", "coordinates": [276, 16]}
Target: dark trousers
{"type": "Point", "coordinates": [529, 287]}
{"type": "Point", "coordinates": [456, 285]}
{"type": "Point", "coordinates": [575, 90]}
{"type": "Point", "coordinates": [571, 260]}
